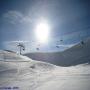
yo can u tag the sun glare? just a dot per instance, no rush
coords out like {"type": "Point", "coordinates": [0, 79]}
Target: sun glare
{"type": "Point", "coordinates": [42, 32]}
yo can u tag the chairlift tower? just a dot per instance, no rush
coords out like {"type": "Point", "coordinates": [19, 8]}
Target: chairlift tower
{"type": "Point", "coordinates": [21, 47]}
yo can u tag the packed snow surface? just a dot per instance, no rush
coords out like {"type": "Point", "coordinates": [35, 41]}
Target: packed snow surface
{"type": "Point", "coordinates": [21, 73]}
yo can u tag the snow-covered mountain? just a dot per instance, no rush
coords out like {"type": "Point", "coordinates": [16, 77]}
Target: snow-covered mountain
{"type": "Point", "coordinates": [75, 55]}
{"type": "Point", "coordinates": [21, 73]}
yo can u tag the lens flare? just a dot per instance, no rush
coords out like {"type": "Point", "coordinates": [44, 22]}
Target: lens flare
{"type": "Point", "coordinates": [42, 32]}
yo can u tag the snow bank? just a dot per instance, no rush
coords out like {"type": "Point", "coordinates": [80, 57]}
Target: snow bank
{"type": "Point", "coordinates": [26, 74]}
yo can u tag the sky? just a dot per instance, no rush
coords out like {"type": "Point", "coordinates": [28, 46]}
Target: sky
{"type": "Point", "coordinates": [69, 22]}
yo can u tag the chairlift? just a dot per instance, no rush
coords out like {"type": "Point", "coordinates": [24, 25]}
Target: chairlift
{"type": "Point", "coordinates": [57, 46]}
{"type": "Point", "coordinates": [82, 42]}
{"type": "Point", "coordinates": [37, 48]}
{"type": "Point", "coordinates": [61, 40]}
{"type": "Point", "coordinates": [23, 49]}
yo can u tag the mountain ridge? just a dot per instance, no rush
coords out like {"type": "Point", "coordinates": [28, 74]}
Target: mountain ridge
{"type": "Point", "coordinates": [78, 54]}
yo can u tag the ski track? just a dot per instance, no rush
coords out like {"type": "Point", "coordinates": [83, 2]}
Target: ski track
{"type": "Point", "coordinates": [27, 74]}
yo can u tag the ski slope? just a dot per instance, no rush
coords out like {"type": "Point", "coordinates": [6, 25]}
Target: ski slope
{"type": "Point", "coordinates": [22, 73]}
{"type": "Point", "coordinates": [78, 54]}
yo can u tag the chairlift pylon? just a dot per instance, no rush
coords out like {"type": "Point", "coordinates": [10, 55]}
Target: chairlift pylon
{"type": "Point", "coordinates": [22, 47]}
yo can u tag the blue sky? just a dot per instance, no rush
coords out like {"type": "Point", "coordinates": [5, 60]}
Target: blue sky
{"type": "Point", "coordinates": [68, 19]}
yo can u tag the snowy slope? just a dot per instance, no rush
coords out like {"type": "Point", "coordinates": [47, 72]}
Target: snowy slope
{"type": "Point", "coordinates": [11, 56]}
{"type": "Point", "coordinates": [75, 55]}
{"type": "Point", "coordinates": [23, 73]}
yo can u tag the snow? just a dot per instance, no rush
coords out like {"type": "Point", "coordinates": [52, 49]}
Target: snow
{"type": "Point", "coordinates": [78, 54]}
{"type": "Point", "coordinates": [22, 73]}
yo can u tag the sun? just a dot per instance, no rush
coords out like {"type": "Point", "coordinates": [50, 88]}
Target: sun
{"type": "Point", "coordinates": [42, 32]}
